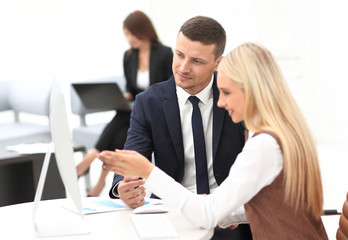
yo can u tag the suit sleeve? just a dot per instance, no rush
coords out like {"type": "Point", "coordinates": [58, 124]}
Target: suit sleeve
{"type": "Point", "coordinates": [139, 137]}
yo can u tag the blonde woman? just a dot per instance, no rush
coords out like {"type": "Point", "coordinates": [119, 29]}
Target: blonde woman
{"type": "Point", "coordinates": [276, 177]}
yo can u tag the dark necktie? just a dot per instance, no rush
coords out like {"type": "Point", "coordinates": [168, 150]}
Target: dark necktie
{"type": "Point", "coordinates": [199, 145]}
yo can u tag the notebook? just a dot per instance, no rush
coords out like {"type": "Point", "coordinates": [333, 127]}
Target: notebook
{"type": "Point", "coordinates": [101, 96]}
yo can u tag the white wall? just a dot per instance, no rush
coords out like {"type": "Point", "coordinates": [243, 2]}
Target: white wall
{"type": "Point", "coordinates": [81, 39]}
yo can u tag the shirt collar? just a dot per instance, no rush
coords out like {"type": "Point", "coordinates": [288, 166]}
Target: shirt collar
{"type": "Point", "coordinates": [250, 134]}
{"type": "Point", "coordinates": [203, 95]}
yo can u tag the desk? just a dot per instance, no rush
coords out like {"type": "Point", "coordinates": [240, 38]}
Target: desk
{"type": "Point", "coordinates": [20, 173]}
{"type": "Point", "coordinates": [16, 223]}
{"type": "Point", "coordinates": [331, 225]}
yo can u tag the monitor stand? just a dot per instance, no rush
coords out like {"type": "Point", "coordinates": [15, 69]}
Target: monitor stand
{"type": "Point", "coordinates": [52, 226]}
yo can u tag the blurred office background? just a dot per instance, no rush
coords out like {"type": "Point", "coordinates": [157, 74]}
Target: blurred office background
{"type": "Point", "coordinates": [73, 40]}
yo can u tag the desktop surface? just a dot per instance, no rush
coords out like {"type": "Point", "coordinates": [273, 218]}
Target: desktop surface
{"type": "Point", "coordinates": [10, 157]}
{"type": "Point", "coordinates": [16, 223]}
{"type": "Point", "coordinates": [20, 172]}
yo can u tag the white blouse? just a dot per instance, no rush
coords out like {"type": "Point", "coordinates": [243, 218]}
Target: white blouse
{"type": "Point", "coordinates": [256, 167]}
{"type": "Point", "coordinates": [143, 79]}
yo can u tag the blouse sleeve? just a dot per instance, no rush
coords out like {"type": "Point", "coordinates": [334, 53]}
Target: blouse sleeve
{"type": "Point", "coordinates": [256, 166]}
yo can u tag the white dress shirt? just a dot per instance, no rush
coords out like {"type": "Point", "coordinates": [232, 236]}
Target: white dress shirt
{"type": "Point", "coordinates": [256, 167]}
{"type": "Point", "coordinates": [206, 107]}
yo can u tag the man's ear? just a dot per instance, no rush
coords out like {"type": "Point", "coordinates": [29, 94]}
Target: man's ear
{"type": "Point", "coordinates": [217, 62]}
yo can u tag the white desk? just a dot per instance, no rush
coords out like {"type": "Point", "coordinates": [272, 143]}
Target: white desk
{"type": "Point", "coordinates": [16, 223]}
{"type": "Point", "coordinates": [15, 189]}
{"type": "Point", "coordinates": [331, 225]}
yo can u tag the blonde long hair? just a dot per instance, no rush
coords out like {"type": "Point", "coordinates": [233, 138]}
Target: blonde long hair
{"type": "Point", "coordinates": [270, 106]}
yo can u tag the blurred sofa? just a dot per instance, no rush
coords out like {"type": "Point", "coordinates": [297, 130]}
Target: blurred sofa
{"type": "Point", "coordinates": [24, 97]}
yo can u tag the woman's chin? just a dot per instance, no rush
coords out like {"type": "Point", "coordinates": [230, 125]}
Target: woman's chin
{"type": "Point", "coordinates": [236, 120]}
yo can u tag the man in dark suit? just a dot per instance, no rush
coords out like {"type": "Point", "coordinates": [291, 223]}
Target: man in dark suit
{"type": "Point", "coordinates": [161, 119]}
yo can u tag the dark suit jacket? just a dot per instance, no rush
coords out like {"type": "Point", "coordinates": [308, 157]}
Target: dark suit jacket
{"type": "Point", "coordinates": [161, 58]}
{"type": "Point", "coordinates": [155, 127]}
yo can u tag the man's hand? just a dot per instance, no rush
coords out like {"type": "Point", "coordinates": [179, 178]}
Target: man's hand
{"type": "Point", "coordinates": [132, 192]}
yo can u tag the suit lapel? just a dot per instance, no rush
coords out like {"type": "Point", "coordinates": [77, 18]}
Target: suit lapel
{"type": "Point", "coordinates": [172, 115]}
{"type": "Point", "coordinates": [218, 118]}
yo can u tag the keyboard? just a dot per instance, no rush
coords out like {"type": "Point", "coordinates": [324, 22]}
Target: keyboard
{"type": "Point", "coordinates": [155, 225]}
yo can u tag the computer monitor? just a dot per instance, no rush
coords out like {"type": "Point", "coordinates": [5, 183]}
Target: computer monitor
{"type": "Point", "coordinates": [64, 154]}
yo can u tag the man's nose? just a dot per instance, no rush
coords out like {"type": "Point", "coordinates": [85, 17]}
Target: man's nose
{"type": "Point", "coordinates": [185, 66]}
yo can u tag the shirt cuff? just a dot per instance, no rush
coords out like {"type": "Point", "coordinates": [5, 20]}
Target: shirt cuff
{"type": "Point", "coordinates": [114, 191]}
{"type": "Point", "coordinates": [236, 217]}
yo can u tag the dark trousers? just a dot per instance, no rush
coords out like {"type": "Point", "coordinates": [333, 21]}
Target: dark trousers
{"type": "Point", "coordinates": [242, 232]}
{"type": "Point", "coordinates": [114, 134]}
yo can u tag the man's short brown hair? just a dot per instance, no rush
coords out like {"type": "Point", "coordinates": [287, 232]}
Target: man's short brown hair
{"type": "Point", "coordinates": [207, 31]}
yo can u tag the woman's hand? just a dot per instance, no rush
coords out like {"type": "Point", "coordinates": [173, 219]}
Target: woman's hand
{"type": "Point", "coordinates": [128, 96]}
{"type": "Point", "coordinates": [126, 163]}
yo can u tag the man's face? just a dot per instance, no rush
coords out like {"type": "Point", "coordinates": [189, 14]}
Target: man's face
{"type": "Point", "coordinates": [193, 64]}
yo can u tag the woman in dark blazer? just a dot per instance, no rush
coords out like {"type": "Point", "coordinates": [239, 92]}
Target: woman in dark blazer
{"type": "Point", "coordinates": [146, 62]}
{"type": "Point", "coordinates": [160, 67]}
